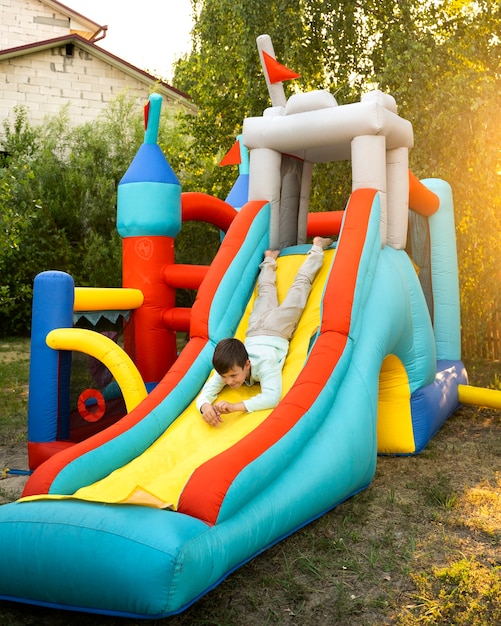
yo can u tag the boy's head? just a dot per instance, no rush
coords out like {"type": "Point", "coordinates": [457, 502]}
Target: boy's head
{"type": "Point", "coordinates": [231, 361]}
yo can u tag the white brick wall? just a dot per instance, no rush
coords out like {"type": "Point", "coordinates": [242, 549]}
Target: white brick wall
{"type": "Point", "coordinates": [46, 81]}
{"type": "Point", "coordinates": [23, 22]}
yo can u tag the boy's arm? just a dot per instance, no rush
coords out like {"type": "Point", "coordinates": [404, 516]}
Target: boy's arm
{"type": "Point", "coordinates": [210, 391]}
{"type": "Point", "coordinates": [210, 412]}
{"type": "Point", "coordinates": [271, 390]}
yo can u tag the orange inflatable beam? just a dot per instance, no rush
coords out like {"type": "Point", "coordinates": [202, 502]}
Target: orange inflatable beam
{"type": "Point", "coordinates": [421, 199]}
{"type": "Point", "coordinates": [185, 276]}
{"type": "Point", "coordinates": [178, 319]}
{"type": "Point", "coordinates": [324, 224]}
{"type": "Point", "coordinates": [202, 207]}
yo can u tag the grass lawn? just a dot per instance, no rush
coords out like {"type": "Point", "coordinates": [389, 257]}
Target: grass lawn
{"type": "Point", "coordinates": [421, 546]}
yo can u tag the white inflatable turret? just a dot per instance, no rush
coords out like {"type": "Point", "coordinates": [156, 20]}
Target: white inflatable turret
{"type": "Point", "coordinates": [310, 128]}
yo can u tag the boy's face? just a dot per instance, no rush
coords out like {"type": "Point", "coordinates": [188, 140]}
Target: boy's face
{"type": "Point", "coordinates": [236, 376]}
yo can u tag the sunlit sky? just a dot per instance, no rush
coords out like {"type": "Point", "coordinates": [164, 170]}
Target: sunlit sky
{"type": "Point", "coordinates": [150, 34]}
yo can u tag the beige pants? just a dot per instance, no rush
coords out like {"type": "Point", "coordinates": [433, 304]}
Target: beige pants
{"type": "Point", "coordinates": [270, 318]}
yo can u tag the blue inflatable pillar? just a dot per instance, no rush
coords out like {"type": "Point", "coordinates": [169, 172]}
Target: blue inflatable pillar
{"type": "Point", "coordinates": [50, 370]}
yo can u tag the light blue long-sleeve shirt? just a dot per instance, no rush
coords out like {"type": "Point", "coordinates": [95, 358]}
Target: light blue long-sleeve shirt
{"type": "Point", "coordinates": [267, 357]}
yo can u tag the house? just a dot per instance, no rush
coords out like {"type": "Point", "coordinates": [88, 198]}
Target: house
{"type": "Point", "coordinates": [50, 57]}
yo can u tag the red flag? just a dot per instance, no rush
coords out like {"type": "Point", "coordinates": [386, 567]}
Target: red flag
{"type": "Point", "coordinates": [276, 71]}
{"type": "Point", "coordinates": [146, 114]}
{"type": "Point", "coordinates": [232, 157]}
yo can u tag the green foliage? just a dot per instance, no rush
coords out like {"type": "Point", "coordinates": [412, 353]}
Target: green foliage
{"type": "Point", "coordinates": [15, 201]}
{"type": "Point", "coordinates": [58, 188]}
{"type": "Point", "coordinates": [60, 192]}
{"type": "Point", "coordinates": [58, 203]}
{"type": "Point", "coordinates": [223, 75]}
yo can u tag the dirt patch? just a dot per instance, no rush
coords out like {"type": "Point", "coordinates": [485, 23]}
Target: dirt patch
{"type": "Point", "coordinates": [12, 484]}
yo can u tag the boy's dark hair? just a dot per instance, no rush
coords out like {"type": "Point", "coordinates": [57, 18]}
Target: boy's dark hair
{"type": "Point", "coordinates": [228, 354]}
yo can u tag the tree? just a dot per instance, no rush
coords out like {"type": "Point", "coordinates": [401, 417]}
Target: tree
{"type": "Point", "coordinates": [223, 74]}
{"type": "Point", "coordinates": [451, 54]}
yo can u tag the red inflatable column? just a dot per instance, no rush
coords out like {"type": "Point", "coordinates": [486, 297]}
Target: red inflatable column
{"type": "Point", "coordinates": [151, 346]}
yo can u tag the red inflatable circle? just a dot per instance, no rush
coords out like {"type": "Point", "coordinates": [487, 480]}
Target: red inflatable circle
{"type": "Point", "coordinates": [96, 411]}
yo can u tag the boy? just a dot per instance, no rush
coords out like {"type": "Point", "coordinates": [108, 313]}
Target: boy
{"type": "Point", "coordinates": [262, 357]}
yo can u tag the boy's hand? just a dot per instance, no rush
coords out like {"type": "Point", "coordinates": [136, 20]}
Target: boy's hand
{"type": "Point", "coordinates": [211, 414]}
{"type": "Point", "coordinates": [229, 407]}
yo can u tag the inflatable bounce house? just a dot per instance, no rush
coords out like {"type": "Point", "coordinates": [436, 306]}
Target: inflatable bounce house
{"type": "Point", "coordinates": [153, 509]}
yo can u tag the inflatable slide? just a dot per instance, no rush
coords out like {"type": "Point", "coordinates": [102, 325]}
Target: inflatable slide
{"type": "Point", "coordinates": [148, 515]}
